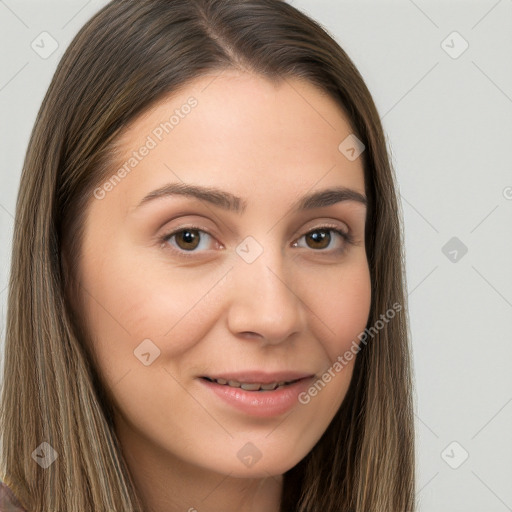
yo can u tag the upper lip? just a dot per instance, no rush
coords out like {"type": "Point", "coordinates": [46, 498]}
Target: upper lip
{"type": "Point", "coordinates": [252, 377]}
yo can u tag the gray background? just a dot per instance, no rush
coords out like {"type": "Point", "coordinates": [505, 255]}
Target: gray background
{"type": "Point", "coordinates": [448, 121]}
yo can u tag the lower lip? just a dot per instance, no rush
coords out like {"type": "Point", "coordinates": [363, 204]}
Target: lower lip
{"type": "Point", "coordinates": [263, 404]}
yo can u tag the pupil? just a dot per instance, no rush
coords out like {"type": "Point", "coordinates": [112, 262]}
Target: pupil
{"type": "Point", "coordinates": [189, 237]}
{"type": "Point", "coordinates": [319, 238]}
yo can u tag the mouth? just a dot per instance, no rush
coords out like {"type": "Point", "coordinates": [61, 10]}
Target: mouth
{"type": "Point", "coordinates": [257, 394]}
{"type": "Point", "coordinates": [253, 386]}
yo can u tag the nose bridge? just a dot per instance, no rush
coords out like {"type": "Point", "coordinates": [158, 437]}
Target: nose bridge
{"type": "Point", "coordinates": [264, 300]}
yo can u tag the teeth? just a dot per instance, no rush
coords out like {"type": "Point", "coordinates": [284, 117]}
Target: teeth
{"type": "Point", "coordinates": [252, 386]}
{"type": "Point", "coordinates": [268, 387]}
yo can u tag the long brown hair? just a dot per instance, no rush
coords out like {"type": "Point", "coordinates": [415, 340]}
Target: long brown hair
{"type": "Point", "coordinates": [129, 56]}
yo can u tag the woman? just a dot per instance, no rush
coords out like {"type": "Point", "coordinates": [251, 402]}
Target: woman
{"type": "Point", "coordinates": [268, 370]}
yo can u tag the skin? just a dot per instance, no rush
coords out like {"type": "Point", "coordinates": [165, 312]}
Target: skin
{"type": "Point", "coordinates": [293, 308]}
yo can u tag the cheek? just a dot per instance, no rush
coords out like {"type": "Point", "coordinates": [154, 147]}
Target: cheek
{"type": "Point", "coordinates": [129, 301]}
{"type": "Point", "coordinates": [341, 307]}
{"type": "Point", "coordinates": [127, 308]}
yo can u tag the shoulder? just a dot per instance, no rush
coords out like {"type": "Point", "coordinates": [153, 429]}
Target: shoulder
{"type": "Point", "coordinates": [8, 501]}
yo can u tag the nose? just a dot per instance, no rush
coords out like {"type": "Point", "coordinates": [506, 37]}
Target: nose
{"type": "Point", "coordinates": [263, 301]}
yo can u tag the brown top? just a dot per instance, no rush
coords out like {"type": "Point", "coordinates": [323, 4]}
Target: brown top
{"type": "Point", "coordinates": [8, 501]}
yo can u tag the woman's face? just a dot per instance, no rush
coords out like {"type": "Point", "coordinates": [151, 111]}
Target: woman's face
{"type": "Point", "coordinates": [250, 288]}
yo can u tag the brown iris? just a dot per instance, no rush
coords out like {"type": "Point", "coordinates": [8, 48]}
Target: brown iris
{"type": "Point", "coordinates": [319, 239]}
{"type": "Point", "coordinates": [190, 238]}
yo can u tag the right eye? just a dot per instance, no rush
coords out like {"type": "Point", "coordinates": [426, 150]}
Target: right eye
{"type": "Point", "coordinates": [186, 240]}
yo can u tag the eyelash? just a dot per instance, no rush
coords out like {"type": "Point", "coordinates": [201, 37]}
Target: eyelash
{"type": "Point", "coordinates": [164, 240]}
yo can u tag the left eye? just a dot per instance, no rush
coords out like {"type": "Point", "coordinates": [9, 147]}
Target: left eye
{"type": "Point", "coordinates": [321, 237]}
{"type": "Point", "coordinates": [188, 239]}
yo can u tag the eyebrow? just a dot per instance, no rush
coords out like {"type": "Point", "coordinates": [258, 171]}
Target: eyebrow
{"type": "Point", "coordinates": [230, 202]}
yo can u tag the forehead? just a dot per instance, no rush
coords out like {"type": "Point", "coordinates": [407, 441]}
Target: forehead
{"type": "Point", "coordinates": [240, 132]}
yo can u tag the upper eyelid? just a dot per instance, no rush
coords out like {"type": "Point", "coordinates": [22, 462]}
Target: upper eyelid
{"type": "Point", "coordinates": [197, 227]}
{"type": "Point", "coordinates": [313, 224]}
